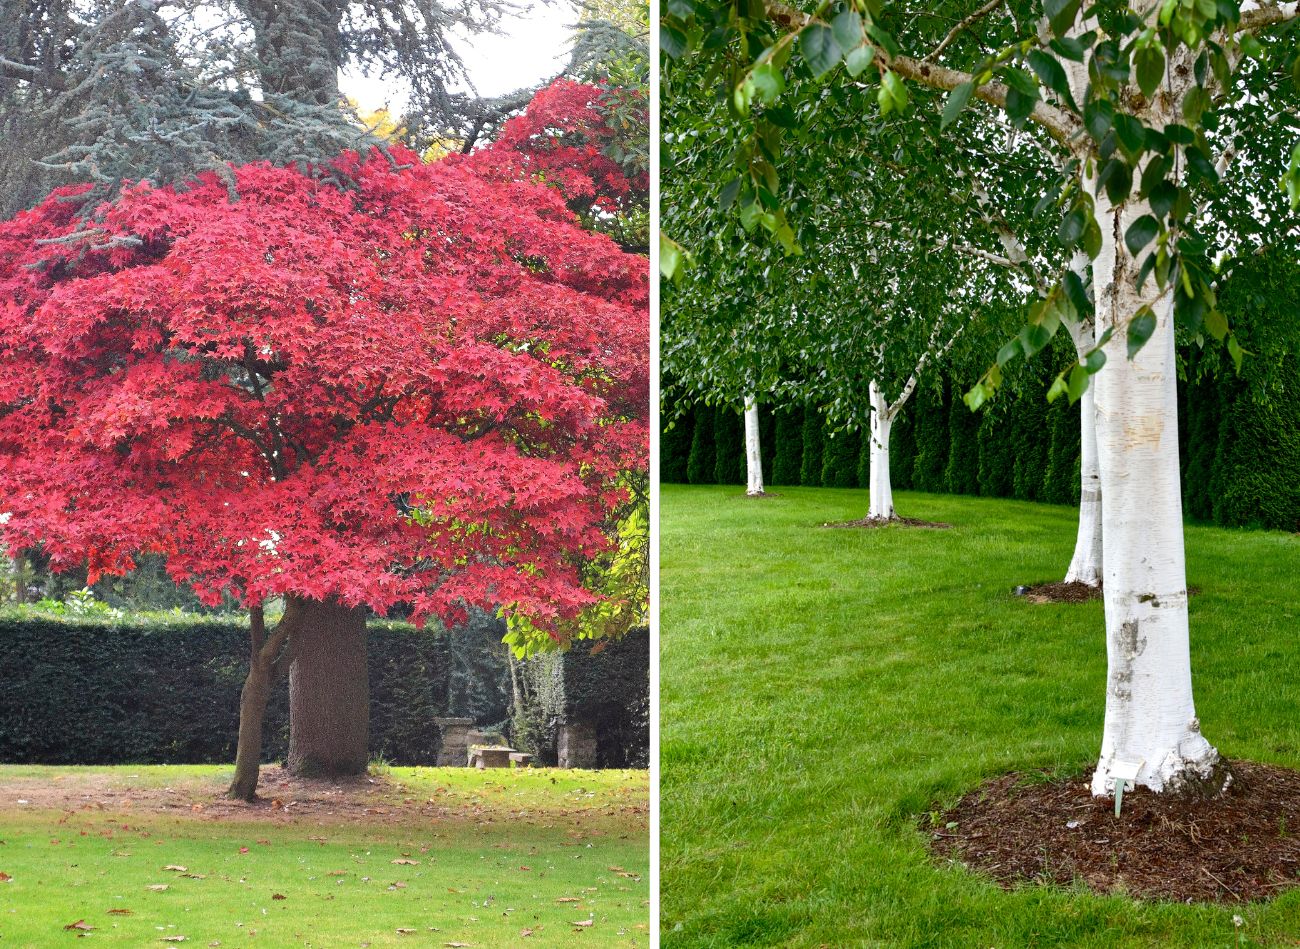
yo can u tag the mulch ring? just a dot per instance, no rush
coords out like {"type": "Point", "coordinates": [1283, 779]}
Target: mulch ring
{"type": "Point", "coordinates": [887, 521]}
{"type": "Point", "coordinates": [1239, 847]}
{"type": "Point", "coordinates": [1074, 592]}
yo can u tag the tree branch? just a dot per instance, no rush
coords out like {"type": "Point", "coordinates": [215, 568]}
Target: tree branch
{"type": "Point", "coordinates": [10, 69]}
{"type": "Point", "coordinates": [1059, 124]}
{"type": "Point", "coordinates": [956, 30]}
{"type": "Point", "coordinates": [1264, 15]}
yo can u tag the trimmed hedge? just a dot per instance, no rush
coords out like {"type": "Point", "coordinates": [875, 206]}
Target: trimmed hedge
{"type": "Point", "coordinates": [81, 691]}
{"type": "Point", "coordinates": [1241, 455]}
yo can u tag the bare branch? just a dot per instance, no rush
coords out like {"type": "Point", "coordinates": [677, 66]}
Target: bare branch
{"type": "Point", "coordinates": [956, 30]}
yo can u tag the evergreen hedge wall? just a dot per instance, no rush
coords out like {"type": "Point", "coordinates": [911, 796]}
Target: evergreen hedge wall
{"type": "Point", "coordinates": [1241, 454]}
{"type": "Point", "coordinates": [82, 691]}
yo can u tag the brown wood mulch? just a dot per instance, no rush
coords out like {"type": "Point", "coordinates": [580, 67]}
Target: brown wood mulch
{"type": "Point", "coordinates": [886, 522]}
{"type": "Point", "coordinates": [1074, 592]}
{"type": "Point", "coordinates": [1239, 847]}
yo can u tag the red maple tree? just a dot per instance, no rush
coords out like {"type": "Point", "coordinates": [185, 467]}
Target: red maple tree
{"type": "Point", "coordinates": [563, 138]}
{"type": "Point", "coordinates": [417, 389]}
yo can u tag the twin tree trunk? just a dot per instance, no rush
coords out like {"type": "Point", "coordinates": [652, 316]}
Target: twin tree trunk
{"type": "Point", "coordinates": [323, 644]}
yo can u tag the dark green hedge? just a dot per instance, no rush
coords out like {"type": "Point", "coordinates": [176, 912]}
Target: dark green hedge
{"type": "Point", "coordinates": [1240, 452]}
{"type": "Point", "coordinates": [89, 692]}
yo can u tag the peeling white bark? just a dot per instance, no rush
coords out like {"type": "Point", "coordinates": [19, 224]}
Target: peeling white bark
{"type": "Point", "coordinates": [753, 450]}
{"type": "Point", "coordinates": [1085, 565]}
{"type": "Point", "coordinates": [882, 492]}
{"type": "Point", "coordinates": [1150, 715]}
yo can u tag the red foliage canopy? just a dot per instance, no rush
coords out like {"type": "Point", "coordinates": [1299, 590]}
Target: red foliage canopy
{"type": "Point", "coordinates": [561, 139]}
{"type": "Point", "coordinates": [263, 390]}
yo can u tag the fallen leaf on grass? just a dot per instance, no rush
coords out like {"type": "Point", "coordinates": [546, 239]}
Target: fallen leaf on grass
{"type": "Point", "coordinates": [337, 873]}
{"type": "Point", "coordinates": [178, 869]}
{"type": "Point", "coordinates": [407, 863]}
{"type": "Point", "coordinates": [525, 868]}
{"type": "Point", "coordinates": [157, 887]}
{"type": "Point", "coordinates": [119, 912]}
{"type": "Point", "coordinates": [568, 899]}
{"type": "Point", "coordinates": [173, 938]}
{"type": "Point", "coordinates": [79, 926]}
{"type": "Point", "coordinates": [278, 896]}
{"type": "Point", "coordinates": [583, 923]}
{"type": "Point", "coordinates": [4, 877]}
{"type": "Point", "coordinates": [525, 933]}
{"type": "Point", "coordinates": [243, 850]}
{"type": "Point", "coordinates": [405, 932]}
{"type": "Point", "coordinates": [195, 876]}
{"type": "Point", "coordinates": [456, 945]}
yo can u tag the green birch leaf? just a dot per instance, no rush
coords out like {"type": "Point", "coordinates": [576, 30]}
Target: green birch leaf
{"type": "Point", "coordinates": [1061, 15]}
{"type": "Point", "coordinates": [1140, 329]}
{"type": "Point", "coordinates": [1140, 233]}
{"type": "Point", "coordinates": [1150, 63]}
{"type": "Point", "coordinates": [820, 51]}
{"type": "Point", "coordinates": [859, 59]}
{"type": "Point", "coordinates": [956, 102]}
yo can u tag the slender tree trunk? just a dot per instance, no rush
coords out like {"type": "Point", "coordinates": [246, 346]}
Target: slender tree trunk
{"type": "Point", "coordinates": [265, 666]}
{"type": "Point", "coordinates": [1150, 715]}
{"type": "Point", "coordinates": [881, 491]}
{"type": "Point", "coordinates": [753, 450]}
{"type": "Point", "coordinates": [20, 577]}
{"type": "Point", "coordinates": [1085, 565]}
{"type": "Point", "coordinates": [329, 692]}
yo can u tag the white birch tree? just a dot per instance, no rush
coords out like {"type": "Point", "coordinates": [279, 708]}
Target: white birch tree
{"type": "Point", "coordinates": [1129, 96]}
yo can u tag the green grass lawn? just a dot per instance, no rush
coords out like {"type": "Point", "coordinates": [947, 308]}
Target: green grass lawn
{"type": "Point", "coordinates": [822, 690]}
{"type": "Point", "coordinates": [428, 856]}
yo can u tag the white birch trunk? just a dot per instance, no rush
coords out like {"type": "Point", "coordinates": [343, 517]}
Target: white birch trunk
{"type": "Point", "coordinates": [753, 450]}
{"type": "Point", "coordinates": [1150, 715]}
{"type": "Point", "coordinates": [882, 493]}
{"type": "Point", "coordinates": [1085, 565]}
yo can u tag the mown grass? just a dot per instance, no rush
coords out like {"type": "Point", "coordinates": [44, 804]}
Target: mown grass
{"type": "Point", "coordinates": [516, 860]}
{"type": "Point", "coordinates": [823, 690]}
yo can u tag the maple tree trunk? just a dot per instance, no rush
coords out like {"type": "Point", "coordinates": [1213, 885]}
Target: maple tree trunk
{"type": "Point", "coordinates": [252, 716]}
{"type": "Point", "coordinates": [329, 692]}
{"type": "Point", "coordinates": [266, 656]}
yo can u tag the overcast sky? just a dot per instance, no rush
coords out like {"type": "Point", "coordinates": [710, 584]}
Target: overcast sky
{"type": "Point", "coordinates": [530, 49]}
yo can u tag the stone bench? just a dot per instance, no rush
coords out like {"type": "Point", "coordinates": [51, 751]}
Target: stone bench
{"type": "Point", "coordinates": [494, 757]}
{"type": "Point", "coordinates": [521, 759]}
